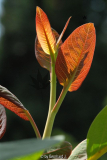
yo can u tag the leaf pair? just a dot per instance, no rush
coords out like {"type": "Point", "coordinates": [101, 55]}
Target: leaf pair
{"type": "Point", "coordinates": [74, 55]}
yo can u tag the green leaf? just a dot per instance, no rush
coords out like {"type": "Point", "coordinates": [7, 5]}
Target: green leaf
{"type": "Point", "coordinates": [97, 136]}
{"type": "Point", "coordinates": [79, 152]}
{"type": "Point", "coordinates": [34, 156]}
{"type": "Point", "coordinates": [9, 150]}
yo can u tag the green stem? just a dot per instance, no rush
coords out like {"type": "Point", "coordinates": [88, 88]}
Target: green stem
{"type": "Point", "coordinates": [63, 93]}
{"type": "Point", "coordinates": [51, 116]}
{"type": "Point", "coordinates": [53, 112]}
{"type": "Point", "coordinates": [33, 124]}
{"type": "Point", "coordinates": [60, 100]}
{"type": "Point", "coordinates": [49, 125]}
{"type": "Point", "coordinates": [52, 88]}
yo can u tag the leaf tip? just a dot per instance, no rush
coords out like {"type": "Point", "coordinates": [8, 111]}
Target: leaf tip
{"type": "Point", "coordinates": [37, 8]}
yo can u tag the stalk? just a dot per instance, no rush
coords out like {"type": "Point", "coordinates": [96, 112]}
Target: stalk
{"type": "Point", "coordinates": [51, 116]}
{"type": "Point", "coordinates": [60, 100]}
{"type": "Point", "coordinates": [63, 94]}
{"type": "Point", "coordinates": [33, 124]}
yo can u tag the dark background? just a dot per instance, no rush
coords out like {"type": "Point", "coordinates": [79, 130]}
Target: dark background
{"type": "Point", "coordinates": [18, 64]}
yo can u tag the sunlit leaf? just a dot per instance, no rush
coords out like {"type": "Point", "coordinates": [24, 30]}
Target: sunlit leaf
{"type": "Point", "coordinates": [42, 57]}
{"type": "Point", "coordinates": [97, 136]}
{"type": "Point", "coordinates": [75, 56]}
{"type": "Point", "coordinates": [61, 151]}
{"type": "Point", "coordinates": [9, 150]}
{"type": "Point", "coordinates": [10, 101]}
{"type": "Point", "coordinates": [2, 121]}
{"type": "Point", "coordinates": [79, 152]}
{"type": "Point", "coordinates": [44, 32]}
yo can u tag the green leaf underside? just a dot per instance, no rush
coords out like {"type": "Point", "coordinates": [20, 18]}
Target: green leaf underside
{"type": "Point", "coordinates": [9, 150]}
{"type": "Point", "coordinates": [43, 58]}
{"type": "Point", "coordinates": [79, 152]}
{"type": "Point", "coordinates": [97, 136]}
{"type": "Point", "coordinates": [2, 121]}
{"type": "Point", "coordinates": [10, 101]}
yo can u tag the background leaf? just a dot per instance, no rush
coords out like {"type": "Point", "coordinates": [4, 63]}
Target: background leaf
{"type": "Point", "coordinates": [42, 57]}
{"type": "Point", "coordinates": [9, 150]}
{"type": "Point", "coordinates": [2, 121]}
{"type": "Point", "coordinates": [40, 82]}
{"type": "Point", "coordinates": [75, 56]}
{"type": "Point", "coordinates": [10, 101]}
{"type": "Point", "coordinates": [61, 151]}
{"type": "Point", "coordinates": [79, 152]}
{"type": "Point", "coordinates": [97, 136]}
{"type": "Point", "coordinates": [34, 156]}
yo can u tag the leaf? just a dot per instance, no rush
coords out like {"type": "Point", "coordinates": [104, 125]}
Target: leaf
{"type": "Point", "coordinates": [34, 156]}
{"type": "Point", "coordinates": [61, 151]}
{"type": "Point", "coordinates": [62, 33]}
{"type": "Point", "coordinates": [97, 136]}
{"type": "Point", "coordinates": [79, 152]}
{"type": "Point", "coordinates": [9, 150]}
{"type": "Point", "coordinates": [39, 77]}
{"type": "Point", "coordinates": [75, 56]}
{"type": "Point", "coordinates": [44, 32]}
{"type": "Point", "coordinates": [10, 101]}
{"type": "Point", "coordinates": [2, 121]}
{"type": "Point", "coordinates": [43, 58]}
{"type": "Point", "coordinates": [40, 83]}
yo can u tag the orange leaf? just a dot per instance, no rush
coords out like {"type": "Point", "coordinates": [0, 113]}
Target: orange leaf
{"type": "Point", "coordinates": [2, 121]}
{"type": "Point", "coordinates": [75, 56]}
{"type": "Point", "coordinates": [10, 101]}
{"type": "Point", "coordinates": [44, 32]}
{"type": "Point", "coordinates": [41, 56]}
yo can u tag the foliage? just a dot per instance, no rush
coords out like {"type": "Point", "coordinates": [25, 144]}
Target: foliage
{"type": "Point", "coordinates": [97, 136]}
{"type": "Point", "coordinates": [10, 150]}
{"type": "Point", "coordinates": [70, 62]}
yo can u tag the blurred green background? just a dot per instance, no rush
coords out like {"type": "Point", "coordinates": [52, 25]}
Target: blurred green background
{"type": "Point", "coordinates": [18, 64]}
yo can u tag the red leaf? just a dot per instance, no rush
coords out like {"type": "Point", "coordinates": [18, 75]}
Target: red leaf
{"type": "Point", "coordinates": [2, 121]}
{"type": "Point", "coordinates": [10, 101]}
{"type": "Point", "coordinates": [43, 58]}
{"type": "Point", "coordinates": [75, 56]}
